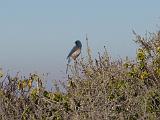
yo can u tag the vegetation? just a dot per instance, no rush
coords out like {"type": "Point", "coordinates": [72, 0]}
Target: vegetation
{"type": "Point", "coordinates": [97, 89]}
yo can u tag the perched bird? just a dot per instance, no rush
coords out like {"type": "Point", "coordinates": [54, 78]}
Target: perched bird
{"type": "Point", "coordinates": [75, 52]}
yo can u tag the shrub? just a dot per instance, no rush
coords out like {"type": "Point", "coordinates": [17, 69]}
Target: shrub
{"type": "Point", "coordinates": [97, 89]}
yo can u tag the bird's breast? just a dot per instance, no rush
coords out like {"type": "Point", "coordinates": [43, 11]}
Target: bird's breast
{"type": "Point", "coordinates": [76, 54]}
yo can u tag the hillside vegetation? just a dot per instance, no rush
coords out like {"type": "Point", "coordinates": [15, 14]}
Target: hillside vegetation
{"type": "Point", "coordinates": [97, 89]}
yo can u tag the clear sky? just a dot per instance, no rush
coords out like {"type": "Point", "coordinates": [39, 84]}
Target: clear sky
{"type": "Point", "coordinates": [37, 35]}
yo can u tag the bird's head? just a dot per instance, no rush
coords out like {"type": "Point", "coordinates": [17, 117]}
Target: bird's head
{"type": "Point", "coordinates": [78, 43]}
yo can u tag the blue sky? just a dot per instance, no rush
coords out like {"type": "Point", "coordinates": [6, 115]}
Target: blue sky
{"type": "Point", "coordinates": [37, 35]}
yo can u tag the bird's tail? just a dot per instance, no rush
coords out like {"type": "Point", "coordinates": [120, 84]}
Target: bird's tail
{"type": "Point", "coordinates": [67, 68]}
{"type": "Point", "coordinates": [69, 60]}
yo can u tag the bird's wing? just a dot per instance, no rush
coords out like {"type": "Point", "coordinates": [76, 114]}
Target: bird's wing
{"type": "Point", "coordinates": [72, 51]}
{"type": "Point", "coordinates": [75, 52]}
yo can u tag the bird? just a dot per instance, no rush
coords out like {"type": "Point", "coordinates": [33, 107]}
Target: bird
{"type": "Point", "coordinates": [75, 52]}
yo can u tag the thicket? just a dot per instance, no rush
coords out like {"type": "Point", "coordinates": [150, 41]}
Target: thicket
{"type": "Point", "coordinates": [96, 89]}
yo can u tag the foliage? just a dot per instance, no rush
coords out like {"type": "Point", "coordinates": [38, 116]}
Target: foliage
{"type": "Point", "coordinates": [97, 89]}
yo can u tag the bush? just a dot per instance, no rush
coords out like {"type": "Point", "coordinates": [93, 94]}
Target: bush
{"type": "Point", "coordinates": [97, 89]}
